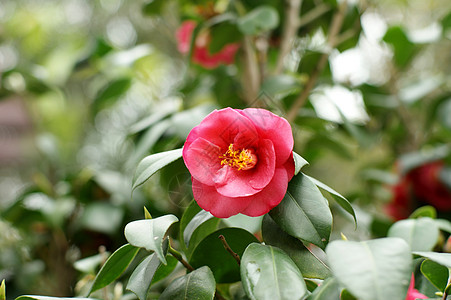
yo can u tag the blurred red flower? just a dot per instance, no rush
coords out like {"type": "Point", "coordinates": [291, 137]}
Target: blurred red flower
{"type": "Point", "coordinates": [201, 54]}
{"type": "Point", "coordinates": [240, 161]}
{"type": "Point", "coordinates": [421, 185]}
{"type": "Point", "coordinates": [412, 293]}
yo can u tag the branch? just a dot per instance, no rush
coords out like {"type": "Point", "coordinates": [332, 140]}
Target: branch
{"type": "Point", "coordinates": [314, 13]}
{"type": "Point", "coordinates": [290, 28]}
{"type": "Point", "coordinates": [179, 257]}
{"type": "Point", "coordinates": [334, 29]}
{"type": "Point", "coordinates": [251, 78]}
{"type": "Point", "coordinates": [227, 247]}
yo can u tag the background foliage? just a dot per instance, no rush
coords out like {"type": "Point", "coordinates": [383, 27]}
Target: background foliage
{"type": "Point", "coordinates": [89, 88]}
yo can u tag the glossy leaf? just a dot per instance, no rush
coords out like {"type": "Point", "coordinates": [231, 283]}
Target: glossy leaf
{"type": "Point", "coordinates": [435, 273]}
{"type": "Point", "coordinates": [421, 234]}
{"type": "Point", "coordinates": [142, 276]}
{"type": "Point", "coordinates": [197, 220]}
{"type": "Point", "coordinates": [299, 163]}
{"type": "Point", "coordinates": [221, 263]}
{"type": "Point", "coordinates": [164, 270]}
{"type": "Point", "coordinates": [310, 265]}
{"type": "Point", "coordinates": [372, 270]}
{"type": "Point", "coordinates": [328, 290]}
{"type": "Point", "coordinates": [268, 273]}
{"type": "Point", "coordinates": [114, 266]}
{"type": "Point", "coordinates": [260, 19]}
{"type": "Point", "coordinates": [152, 163]}
{"type": "Point", "coordinates": [199, 284]}
{"type": "Point", "coordinates": [149, 233]}
{"type": "Point", "coordinates": [441, 258]}
{"type": "Point", "coordinates": [304, 213]}
{"type": "Point", "coordinates": [342, 201]}
{"type": "Point", "coordinates": [199, 232]}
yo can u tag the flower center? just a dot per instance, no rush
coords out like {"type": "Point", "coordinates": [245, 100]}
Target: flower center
{"type": "Point", "coordinates": [244, 159]}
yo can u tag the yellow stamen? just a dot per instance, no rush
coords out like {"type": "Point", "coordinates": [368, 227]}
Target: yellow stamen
{"type": "Point", "coordinates": [243, 159]}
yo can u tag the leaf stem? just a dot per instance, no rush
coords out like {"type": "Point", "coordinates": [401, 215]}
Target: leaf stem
{"type": "Point", "coordinates": [179, 257]}
{"type": "Point", "coordinates": [334, 30]}
{"type": "Point", "coordinates": [227, 247]}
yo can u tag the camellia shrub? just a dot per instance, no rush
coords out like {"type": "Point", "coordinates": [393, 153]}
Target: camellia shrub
{"type": "Point", "coordinates": [242, 96]}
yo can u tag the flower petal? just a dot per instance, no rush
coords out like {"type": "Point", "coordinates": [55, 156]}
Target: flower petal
{"type": "Point", "coordinates": [183, 36]}
{"type": "Point", "coordinates": [270, 196]}
{"type": "Point", "coordinates": [242, 183]}
{"type": "Point", "coordinates": [275, 128]}
{"type": "Point", "coordinates": [218, 205]}
{"type": "Point", "coordinates": [227, 126]}
{"type": "Point", "coordinates": [201, 157]}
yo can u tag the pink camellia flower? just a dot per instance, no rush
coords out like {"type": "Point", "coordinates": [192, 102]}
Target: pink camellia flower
{"type": "Point", "coordinates": [201, 54]}
{"type": "Point", "coordinates": [421, 185]}
{"type": "Point", "coordinates": [413, 293]}
{"type": "Point", "coordinates": [240, 161]}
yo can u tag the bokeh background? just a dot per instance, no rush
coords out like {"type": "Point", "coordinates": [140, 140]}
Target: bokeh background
{"type": "Point", "coordinates": [89, 88]}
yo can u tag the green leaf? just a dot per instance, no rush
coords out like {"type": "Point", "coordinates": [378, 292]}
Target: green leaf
{"type": "Point", "coordinates": [299, 163]}
{"type": "Point", "coordinates": [342, 201]}
{"type": "Point", "coordinates": [441, 258]}
{"type": "Point", "coordinates": [424, 211]}
{"type": "Point", "coordinates": [221, 263]}
{"type": "Point", "coordinates": [403, 48]}
{"type": "Point", "coordinates": [346, 295]}
{"type": "Point", "coordinates": [112, 91]}
{"type": "Point", "coordinates": [199, 284]}
{"type": "Point", "coordinates": [200, 218]}
{"type": "Point", "coordinates": [410, 161]}
{"type": "Point", "coordinates": [378, 269]}
{"type": "Point", "coordinates": [114, 266]}
{"type": "Point", "coordinates": [260, 19]}
{"type": "Point", "coordinates": [198, 230]}
{"type": "Point", "coordinates": [149, 139]}
{"type": "Point", "coordinates": [152, 163]}
{"type": "Point", "coordinates": [164, 270]}
{"type": "Point", "coordinates": [328, 290]}
{"type": "Point", "coordinates": [281, 85]}
{"type": "Point", "coordinates": [421, 234]}
{"type": "Point", "coordinates": [89, 264]}
{"type": "Point", "coordinates": [142, 277]}
{"type": "Point", "coordinates": [192, 210]}
{"type": "Point", "coordinates": [102, 217]}
{"type": "Point", "coordinates": [149, 233]}
{"type": "Point", "coordinates": [3, 290]}
{"type": "Point", "coordinates": [310, 265]}
{"type": "Point", "coordinates": [153, 7]}
{"type": "Point", "coordinates": [446, 22]}
{"type": "Point", "coordinates": [268, 273]}
{"type": "Point", "coordinates": [147, 214]}
{"type": "Point", "coordinates": [435, 273]}
{"type": "Point", "coordinates": [304, 213]}
{"type": "Point", "coordinates": [139, 282]}
{"type": "Point", "coordinates": [222, 34]}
